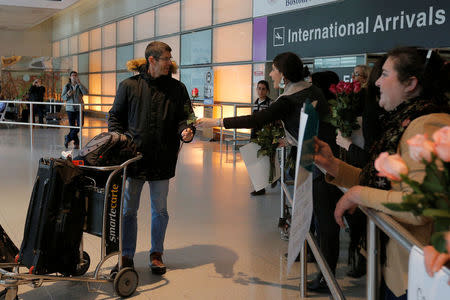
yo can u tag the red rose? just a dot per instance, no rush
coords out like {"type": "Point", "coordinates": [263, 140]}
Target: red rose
{"type": "Point", "coordinates": [356, 86]}
{"type": "Point", "coordinates": [340, 87]}
{"type": "Point", "coordinates": [348, 89]}
{"type": "Point", "coordinates": [333, 88]}
{"type": "Point", "coordinates": [194, 92]}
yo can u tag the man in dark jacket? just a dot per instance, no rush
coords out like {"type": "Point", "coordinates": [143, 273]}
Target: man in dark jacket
{"type": "Point", "coordinates": [153, 108]}
{"type": "Point", "coordinates": [36, 93]}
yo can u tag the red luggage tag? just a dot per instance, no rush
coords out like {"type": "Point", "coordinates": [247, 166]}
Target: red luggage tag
{"type": "Point", "coordinates": [78, 162]}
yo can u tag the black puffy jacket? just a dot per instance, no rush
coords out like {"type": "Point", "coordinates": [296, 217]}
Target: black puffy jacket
{"type": "Point", "coordinates": [154, 112]}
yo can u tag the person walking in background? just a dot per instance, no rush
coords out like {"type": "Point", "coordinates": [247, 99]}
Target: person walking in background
{"type": "Point", "coordinates": [263, 102]}
{"type": "Point", "coordinates": [36, 94]}
{"type": "Point", "coordinates": [24, 109]}
{"type": "Point", "coordinates": [153, 108]}
{"type": "Point", "coordinates": [73, 93]}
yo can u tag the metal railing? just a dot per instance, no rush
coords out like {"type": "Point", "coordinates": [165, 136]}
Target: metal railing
{"type": "Point", "coordinates": [81, 106]}
{"type": "Point", "coordinates": [329, 277]}
{"type": "Point", "coordinates": [236, 106]}
{"type": "Point", "coordinates": [379, 221]}
{"type": "Point", "coordinates": [31, 122]}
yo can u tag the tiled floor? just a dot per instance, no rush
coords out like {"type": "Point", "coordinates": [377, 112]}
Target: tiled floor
{"type": "Point", "coordinates": [221, 243]}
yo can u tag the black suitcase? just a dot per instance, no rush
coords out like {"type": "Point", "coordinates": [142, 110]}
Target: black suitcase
{"type": "Point", "coordinates": [55, 218]}
{"type": "Point", "coordinates": [53, 118]}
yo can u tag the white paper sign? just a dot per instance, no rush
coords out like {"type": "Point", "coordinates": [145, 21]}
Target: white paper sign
{"type": "Point", "coordinates": [258, 168]}
{"type": "Point", "coordinates": [302, 202]}
{"type": "Point", "coordinates": [420, 285]}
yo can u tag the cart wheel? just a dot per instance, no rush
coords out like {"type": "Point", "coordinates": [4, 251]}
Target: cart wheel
{"type": "Point", "coordinates": [126, 282]}
{"type": "Point", "coordinates": [82, 267]}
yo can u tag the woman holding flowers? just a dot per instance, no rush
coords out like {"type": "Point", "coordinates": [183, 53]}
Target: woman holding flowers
{"type": "Point", "coordinates": [412, 92]}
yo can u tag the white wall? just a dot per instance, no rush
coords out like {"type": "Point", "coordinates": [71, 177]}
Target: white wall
{"type": "Point", "coordinates": [86, 14]}
{"type": "Point", "coordinates": [36, 41]}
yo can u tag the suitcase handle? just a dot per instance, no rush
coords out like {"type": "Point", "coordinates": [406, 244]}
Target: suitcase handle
{"type": "Point", "coordinates": [30, 210]}
{"type": "Point", "coordinates": [38, 239]}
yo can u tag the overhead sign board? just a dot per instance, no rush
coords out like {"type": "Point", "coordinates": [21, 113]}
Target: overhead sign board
{"type": "Point", "coordinates": [359, 26]}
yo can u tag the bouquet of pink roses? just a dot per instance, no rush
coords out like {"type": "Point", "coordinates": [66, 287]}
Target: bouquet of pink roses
{"type": "Point", "coordinates": [346, 107]}
{"type": "Point", "coordinates": [430, 197]}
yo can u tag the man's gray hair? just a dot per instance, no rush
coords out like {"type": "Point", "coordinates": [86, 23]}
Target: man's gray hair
{"type": "Point", "coordinates": [156, 49]}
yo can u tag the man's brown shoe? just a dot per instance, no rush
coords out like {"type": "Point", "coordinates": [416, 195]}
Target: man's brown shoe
{"type": "Point", "coordinates": [156, 263]}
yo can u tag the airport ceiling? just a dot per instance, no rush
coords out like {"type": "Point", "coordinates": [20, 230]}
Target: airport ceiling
{"type": "Point", "coordinates": [20, 15]}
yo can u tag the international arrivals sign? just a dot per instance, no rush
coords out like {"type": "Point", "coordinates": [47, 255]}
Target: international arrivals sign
{"type": "Point", "coordinates": [268, 7]}
{"type": "Point", "coordinates": [363, 26]}
{"type": "Point", "coordinates": [356, 26]}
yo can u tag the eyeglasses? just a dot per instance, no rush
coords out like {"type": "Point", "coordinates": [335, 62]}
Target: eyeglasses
{"type": "Point", "coordinates": [166, 59]}
{"type": "Point", "coordinates": [355, 74]}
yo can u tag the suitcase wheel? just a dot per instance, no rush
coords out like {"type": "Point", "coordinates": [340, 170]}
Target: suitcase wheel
{"type": "Point", "coordinates": [82, 267]}
{"type": "Point", "coordinates": [126, 282]}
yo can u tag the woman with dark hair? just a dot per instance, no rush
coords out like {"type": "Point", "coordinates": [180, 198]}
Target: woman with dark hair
{"type": "Point", "coordinates": [413, 95]}
{"type": "Point", "coordinates": [325, 195]}
{"type": "Point", "coordinates": [287, 73]}
{"type": "Point", "coordinates": [324, 80]}
{"type": "Point", "coordinates": [263, 102]}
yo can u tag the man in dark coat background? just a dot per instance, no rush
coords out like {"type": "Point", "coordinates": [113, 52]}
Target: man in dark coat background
{"type": "Point", "coordinates": [36, 94]}
{"type": "Point", "coordinates": [153, 109]}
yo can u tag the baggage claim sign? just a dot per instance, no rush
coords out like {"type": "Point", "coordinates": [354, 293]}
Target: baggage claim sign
{"type": "Point", "coordinates": [359, 26]}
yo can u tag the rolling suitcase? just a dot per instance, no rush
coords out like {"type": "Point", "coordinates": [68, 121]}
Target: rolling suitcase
{"type": "Point", "coordinates": [52, 116]}
{"type": "Point", "coordinates": [55, 218]}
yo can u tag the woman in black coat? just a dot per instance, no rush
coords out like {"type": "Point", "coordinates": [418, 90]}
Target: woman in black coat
{"type": "Point", "coordinates": [36, 94]}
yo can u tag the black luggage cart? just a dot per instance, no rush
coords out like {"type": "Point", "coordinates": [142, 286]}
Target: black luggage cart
{"type": "Point", "coordinates": [104, 202]}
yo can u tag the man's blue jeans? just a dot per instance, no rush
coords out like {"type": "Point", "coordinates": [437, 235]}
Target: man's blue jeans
{"type": "Point", "coordinates": [158, 197]}
{"type": "Point", "coordinates": [74, 120]}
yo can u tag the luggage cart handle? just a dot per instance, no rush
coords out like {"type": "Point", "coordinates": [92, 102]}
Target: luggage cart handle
{"type": "Point", "coordinates": [112, 168]}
